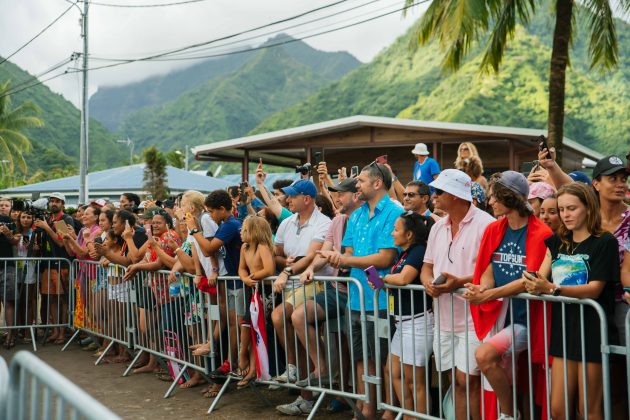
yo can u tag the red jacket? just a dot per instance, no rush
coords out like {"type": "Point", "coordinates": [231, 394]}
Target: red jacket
{"type": "Point", "coordinates": [486, 314]}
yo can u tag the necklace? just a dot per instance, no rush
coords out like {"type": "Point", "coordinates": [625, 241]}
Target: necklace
{"type": "Point", "coordinates": [575, 246]}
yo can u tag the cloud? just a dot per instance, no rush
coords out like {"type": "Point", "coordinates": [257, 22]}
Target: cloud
{"type": "Point", "coordinates": [131, 33]}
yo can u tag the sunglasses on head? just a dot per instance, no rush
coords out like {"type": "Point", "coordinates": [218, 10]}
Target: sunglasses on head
{"type": "Point", "coordinates": [379, 169]}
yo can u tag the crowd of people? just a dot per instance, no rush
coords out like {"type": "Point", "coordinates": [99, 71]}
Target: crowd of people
{"type": "Point", "coordinates": [471, 242]}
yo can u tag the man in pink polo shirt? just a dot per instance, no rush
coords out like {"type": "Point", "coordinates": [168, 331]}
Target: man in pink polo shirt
{"type": "Point", "coordinates": [452, 251]}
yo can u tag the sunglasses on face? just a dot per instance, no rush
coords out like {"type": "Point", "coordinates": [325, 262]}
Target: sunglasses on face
{"type": "Point", "coordinates": [464, 149]}
{"type": "Point", "coordinates": [410, 194]}
{"type": "Point", "coordinates": [438, 191]}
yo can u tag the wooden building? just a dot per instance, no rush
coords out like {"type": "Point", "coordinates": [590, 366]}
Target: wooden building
{"type": "Point", "coordinates": [359, 139]}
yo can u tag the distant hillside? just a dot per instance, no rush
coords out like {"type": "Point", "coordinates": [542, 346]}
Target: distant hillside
{"type": "Point", "coordinates": [116, 106]}
{"type": "Point", "coordinates": [408, 84]}
{"type": "Point", "coordinates": [56, 145]}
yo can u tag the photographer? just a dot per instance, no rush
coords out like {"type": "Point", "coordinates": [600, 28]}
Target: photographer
{"type": "Point", "coordinates": [54, 279]}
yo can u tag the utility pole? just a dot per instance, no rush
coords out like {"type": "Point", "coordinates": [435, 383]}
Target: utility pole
{"type": "Point", "coordinates": [84, 141]}
{"type": "Point", "coordinates": [186, 161]}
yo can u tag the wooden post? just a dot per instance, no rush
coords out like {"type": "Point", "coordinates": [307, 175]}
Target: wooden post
{"type": "Point", "coordinates": [511, 155]}
{"type": "Point", "coordinates": [245, 166]}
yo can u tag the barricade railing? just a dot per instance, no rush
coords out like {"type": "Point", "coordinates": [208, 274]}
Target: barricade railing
{"type": "Point", "coordinates": [35, 293]}
{"type": "Point", "coordinates": [324, 347]}
{"type": "Point", "coordinates": [169, 322]}
{"type": "Point", "coordinates": [103, 305]}
{"type": "Point", "coordinates": [4, 385]}
{"type": "Point", "coordinates": [410, 345]}
{"type": "Point", "coordinates": [38, 391]}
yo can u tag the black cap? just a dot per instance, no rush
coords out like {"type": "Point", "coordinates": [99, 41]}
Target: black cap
{"type": "Point", "coordinates": [347, 185]}
{"type": "Point", "coordinates": [608, 166]}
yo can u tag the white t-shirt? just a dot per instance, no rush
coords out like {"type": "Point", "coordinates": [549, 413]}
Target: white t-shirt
{"type": "Point", "coordinates": [296, 239]}
{"type": "Point", "coordinates": [208, 228]}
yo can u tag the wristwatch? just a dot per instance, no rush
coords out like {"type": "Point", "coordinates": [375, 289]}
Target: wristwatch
{"type": "Point", "coordinates": [215, 269]}
{"type": "Point", "coordinates": [288, 270]}
{"type": "Point", "coordinates": [556, 291]}
{"type": "Point", "coordinates": [193, 231]}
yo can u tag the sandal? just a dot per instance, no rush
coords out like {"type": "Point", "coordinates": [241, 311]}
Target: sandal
{"type": "Point", "coordinates": [244, 383]}
{"type": "Point", "coordinates": [239, 373]}
{"type": "Point", "coordinates": [164, 376]}
{"type": "Point", "coordinates": [212, 392]}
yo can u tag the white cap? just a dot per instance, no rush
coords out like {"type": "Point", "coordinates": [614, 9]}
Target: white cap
{"type": "Point", "coordinates": [454, 182]}
{"type": "Point", "coordinates": [58, 196]}
{"type": "Point", "coordinates": [420, 149]}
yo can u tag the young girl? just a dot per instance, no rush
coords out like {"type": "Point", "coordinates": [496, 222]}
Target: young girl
{"type": "Point", "coordinates": [256, 263]}
{"type": "Point", "coordinates": [549, 213]}
{"type": "Point", "coordinates": [28, 298]}
{"type": "Point", "coordinates": [581, 262]}
{"type": "Point", "coordinates": [412, 344]}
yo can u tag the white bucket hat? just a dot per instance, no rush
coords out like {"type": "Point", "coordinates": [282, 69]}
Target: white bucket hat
{"type": "Point", "coordinates": [420, 149]}
{"type": "Point", "coordinates": [454, 182]}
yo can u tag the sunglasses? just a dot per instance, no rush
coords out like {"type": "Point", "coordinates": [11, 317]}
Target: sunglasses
{"type": "Point", "coordinates": [464, 149]}
{"type": "Point", "coordinates": [379, 169]}
{"type": "Point", "coordinates": [410, 194]}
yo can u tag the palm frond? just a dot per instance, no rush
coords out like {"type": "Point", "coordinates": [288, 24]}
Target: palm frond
{"type": "Point", "coordinates": [602, 46]}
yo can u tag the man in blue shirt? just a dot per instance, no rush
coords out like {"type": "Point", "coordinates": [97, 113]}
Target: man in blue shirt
{"type": "Point", "coordinates": [368, 241]}
{"type": "Point", "coordinates": [425, 169]}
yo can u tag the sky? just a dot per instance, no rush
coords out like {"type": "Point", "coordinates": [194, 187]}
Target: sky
{"type": "Point", "coordinates": [136, 32]}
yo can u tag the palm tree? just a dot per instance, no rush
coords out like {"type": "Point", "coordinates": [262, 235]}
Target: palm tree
{"type": "Point", "coordinates": [13, 122]}
{"type": "Point", "coordinates": [456, 24]}
{"type": "Point", "coordinates": [155, 174]}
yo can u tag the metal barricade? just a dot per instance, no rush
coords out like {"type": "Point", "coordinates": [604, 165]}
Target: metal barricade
{"type": "Point", "coordinates": [169, 323]}
{"type": "Point", "coordinates": [103, 305]}
{"type": "Point", "coordinates": [323, 348]}
{"type": "Point", "coordinates": [411, 342]}
{"type": "Point", "coordinates": [4, 385]}
{"type": "Point", "coordinates": [35, 293]}
{"type": "Point", "coordinates": [38, 391]}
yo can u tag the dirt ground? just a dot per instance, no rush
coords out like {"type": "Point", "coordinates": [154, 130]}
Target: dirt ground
{"type": "Point", "coordinates": [141, 396]}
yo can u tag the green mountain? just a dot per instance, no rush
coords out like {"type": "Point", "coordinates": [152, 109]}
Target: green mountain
{"type": "Point", "coordinates": [407, 84]}
{"type": "Point", "coordinates": [220, 98]}
{"type": "Point", "coordinates": [56, 144]}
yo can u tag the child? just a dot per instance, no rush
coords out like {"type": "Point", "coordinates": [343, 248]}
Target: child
{"type": "Point", "coordinates": [256, 263]}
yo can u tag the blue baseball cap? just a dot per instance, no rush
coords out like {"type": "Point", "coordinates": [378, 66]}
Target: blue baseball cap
{"type": "Point", "coordinates": [301, 186]}
{"type": "Point", "coordinates": [578, 176]}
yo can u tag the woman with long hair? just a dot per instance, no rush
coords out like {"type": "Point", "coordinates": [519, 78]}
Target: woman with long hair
{"type": "Point", "coordinates": [581, 262]}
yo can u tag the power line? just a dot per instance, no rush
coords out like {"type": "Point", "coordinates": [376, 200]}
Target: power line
{"type": "Point", "coordinates": [266, 46]}
{"type": "Point", "coordinates": [36, 36]}
{"type": "Point", "coordinates": [131, 6]}
{"type": "Point", "coordinates": [264, 34]}
{"type": "Point", "coordinates": [17, 88]}
{"type": "Point", "coordinates": [39, 82]}
{"type": "Point", "coordinates": [201, 44]}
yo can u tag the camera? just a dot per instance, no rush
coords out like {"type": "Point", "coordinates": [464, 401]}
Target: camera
{"type": "Point", "coordinates": [38, 209]}
{"type": "Point", "coordinates": [305, 169]}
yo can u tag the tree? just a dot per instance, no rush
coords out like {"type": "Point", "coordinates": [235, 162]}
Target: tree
{"type": "Point", "coordinates": [13, 122]}
{"type": "Point", "coordinates": [175, 158]}
{"type": "Point", "coordinates": [459, 23]}
{"type": "Point", "coordinates": [155, 177]}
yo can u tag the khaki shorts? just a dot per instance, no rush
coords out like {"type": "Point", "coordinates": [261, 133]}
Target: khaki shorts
{"type": "Point", "coordinates": [297, 296]}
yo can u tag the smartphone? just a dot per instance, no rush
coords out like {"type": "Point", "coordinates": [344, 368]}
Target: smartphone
{"type": "Point", "coordinates": [526, 167]}
{"type": "Point", "coordinates": [381, 159]}
{"type": "Point", "coordinates": [354, 172]}
{"type": "Point", "coordinates": [98, 240]}
{"type": "Point", "coordinates": [626, 289]}
{"type": "Point", "coordinates": [441, 279]}
{"type": "Point", "coordinates": [127, 224]}
{"type": "Point", "coordinates": [542, 143]}
{"type": "Point", "coordinates": [243, 197]}
{"type": "Point", "coordinates": [317, 159]}
{"type": "Point", "coordinates": [373, 277]}
{"type": "Point", "coordinates": [61, 227]}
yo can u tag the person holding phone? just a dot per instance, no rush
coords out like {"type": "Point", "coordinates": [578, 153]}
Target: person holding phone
{"type": "Point", "coordinates": [581, 262]}
{"type": "Point", "coordinates": [511, 245]}
{"type": "Point", "coordinates": [451, 252]}
{"type": "Point", "coordinates": [412, 344]}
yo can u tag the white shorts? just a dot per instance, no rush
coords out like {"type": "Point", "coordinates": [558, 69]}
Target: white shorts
{"type": "Point", "coordinates": [448, 346]}
{"type": "Point", "coordinates": [502, 341]}
{"type": "Point", "coordinates": [413, 340]}
{"type": "Point", "coordinates": [120, 292]}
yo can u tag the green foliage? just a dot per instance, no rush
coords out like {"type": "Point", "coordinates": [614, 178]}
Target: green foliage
{"type": "Point", "coordinates": [231, 104]}
{"type": "Point", "coordinates": [175, 158]}
{"type": "Point", "coordinates": [398, 83]}
{"type": "Point", "coordinates": [56, 144]}
{"type": "Point", "coordinates": [13, 123]}
{"type": "Point", "coordinates": [155, 176]}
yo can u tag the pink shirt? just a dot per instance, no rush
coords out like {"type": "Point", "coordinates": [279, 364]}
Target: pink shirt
{"type": "Point", "coordinates": [335, 236]}
{"type": "Point", "coordinates": [456, 256]}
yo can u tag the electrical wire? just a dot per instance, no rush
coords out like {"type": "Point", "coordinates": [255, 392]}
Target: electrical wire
{"type": "Point", "coordinates": [131, 6]}
{"type": "Point", "coordinates": [38, 34]}
{"type": "Point", "coordinates": [266, 46]}
{"type": "Point", "coordinates": [18, 87]}
{"type": "Point", "coordinates": [264, 34]}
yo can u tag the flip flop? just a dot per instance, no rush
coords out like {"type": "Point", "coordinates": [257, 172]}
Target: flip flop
{"type": "Point", "coordinates": [244, 383]}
